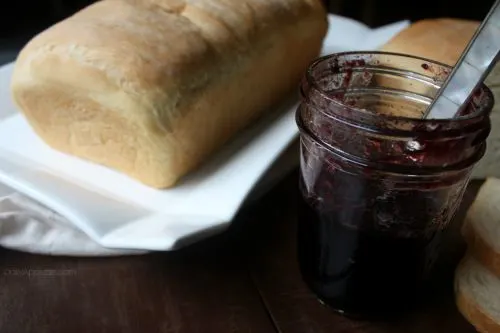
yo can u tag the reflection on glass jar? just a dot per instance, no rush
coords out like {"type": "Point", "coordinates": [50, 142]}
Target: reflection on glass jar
{"type": "Point", "coordinates": [379, 184]}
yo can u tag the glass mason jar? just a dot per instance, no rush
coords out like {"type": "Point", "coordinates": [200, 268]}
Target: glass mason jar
{"type": "Point", "coordinates": [379, 184]}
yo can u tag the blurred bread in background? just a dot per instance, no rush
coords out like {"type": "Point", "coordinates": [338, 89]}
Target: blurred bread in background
{"type": "Point", "coordinates": [444, 40]}
{"type": "Point", "coordinates": [438, 39]}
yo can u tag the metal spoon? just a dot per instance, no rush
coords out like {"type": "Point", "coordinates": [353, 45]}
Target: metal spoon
{"type": "Point", "coordinates": [474, 65]}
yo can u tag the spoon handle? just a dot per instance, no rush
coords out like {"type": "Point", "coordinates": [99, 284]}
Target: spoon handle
{"type": "Point", "coordinates": [472, 68]}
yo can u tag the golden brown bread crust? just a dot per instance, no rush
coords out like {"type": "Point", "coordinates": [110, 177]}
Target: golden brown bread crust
{"type": "Point", "coordinates": [470, 309]}
{"type": "Point", "coordinates": [151, 88]}
{"type": "Point", "coordinates": [441, 39]}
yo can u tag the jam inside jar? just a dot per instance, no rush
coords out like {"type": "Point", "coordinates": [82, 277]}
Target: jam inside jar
{"type": "Point", "coordinates": [379, 184]}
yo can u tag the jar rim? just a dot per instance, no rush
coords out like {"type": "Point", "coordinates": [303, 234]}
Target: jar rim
{"type": "Point", "coordinates": [482, 109]}
{"type": "Point", "coordinates": [417, 171]}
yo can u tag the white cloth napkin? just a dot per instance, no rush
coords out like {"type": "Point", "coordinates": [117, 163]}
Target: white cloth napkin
{"type": "Point", "coordinates": [29, 226]}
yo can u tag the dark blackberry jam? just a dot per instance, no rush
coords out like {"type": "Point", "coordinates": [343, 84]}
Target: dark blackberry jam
{"type": "Point", "coordinates": [379, 185]}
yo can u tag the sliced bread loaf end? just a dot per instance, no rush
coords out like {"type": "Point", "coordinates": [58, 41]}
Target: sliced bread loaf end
{"type": "Point", "coordinates": [481, 228]}
{"type": "Point", "coordinates": [477, 293]}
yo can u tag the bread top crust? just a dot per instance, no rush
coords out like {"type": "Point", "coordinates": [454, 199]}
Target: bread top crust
{"type": "Point", "coordinates": [442, 39]}
{"type": "Point", "coordinates": [154, 54]}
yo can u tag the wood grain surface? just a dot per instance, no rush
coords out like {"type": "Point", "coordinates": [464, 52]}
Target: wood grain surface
{"type": "Point", "coordinates": [206, 288]}
{"type": "Point", "coordinates": [245, 280]}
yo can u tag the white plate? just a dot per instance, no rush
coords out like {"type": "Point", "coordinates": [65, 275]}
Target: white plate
{"type": "Point", "coordinates": [118, 211]}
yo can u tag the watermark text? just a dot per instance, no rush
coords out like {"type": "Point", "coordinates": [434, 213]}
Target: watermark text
{"type": "Point", "coordinates": [29, 272]}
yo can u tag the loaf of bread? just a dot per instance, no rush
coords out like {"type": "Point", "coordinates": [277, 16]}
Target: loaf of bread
{"type": "Point", "coordinates": [444, 40]}
{"type": "Point", "coordinates": [152, 88]}
{"type": "Point", "coordinates": [477, 293]}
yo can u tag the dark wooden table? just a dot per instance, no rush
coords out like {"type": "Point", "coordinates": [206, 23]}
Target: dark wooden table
{"type": "Point", "coordinates": [244, 280]}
